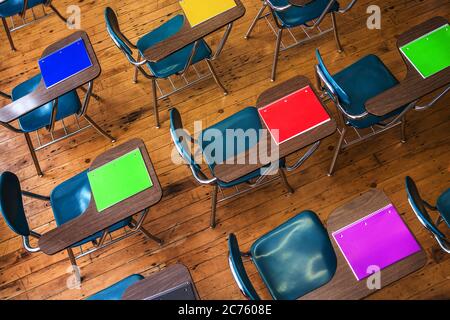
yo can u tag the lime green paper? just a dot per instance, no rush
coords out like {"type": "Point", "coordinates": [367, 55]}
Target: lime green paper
{"type": "Point", "coordinates": [119, 179]}
{"type": "Point", "coordinates": [430, 53]}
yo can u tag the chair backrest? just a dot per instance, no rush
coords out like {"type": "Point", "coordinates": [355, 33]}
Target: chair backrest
{"type": "Point", "coordinates": [419, 209]}
{"type": "Point", "coordinates": [331, 84]}
{"type": "Point", "coordinates": [112, 26]}
{"type": "Point", "coordinates": [180, 138]}
{"type": "Point", "coordinates": [238, 270]}
{"type": "Point", "coordinates": [11, 204]}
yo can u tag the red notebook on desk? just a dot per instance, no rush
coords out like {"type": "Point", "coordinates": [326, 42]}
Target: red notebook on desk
{"type": "Point", "coordinates": [293, 115]}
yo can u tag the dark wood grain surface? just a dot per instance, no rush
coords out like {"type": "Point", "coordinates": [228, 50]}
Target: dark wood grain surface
{"type": "Point", "coordinates": [233, 169]}
{"type": "Point", "coordinates": [158, 282]}
{"type": "Point", "coordinates": [92, 221]}
{"type": "Point", "coordinates": [413, 87]}
{"type": "Point", "coordinates": [188, 35]}
{"type": "Point", "coordinates": [42, 95]}
{"type": "Point", "coordinates": [344, 284]}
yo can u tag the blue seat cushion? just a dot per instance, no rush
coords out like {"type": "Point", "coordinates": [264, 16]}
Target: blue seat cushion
{"type": "Point", "coordinates": [71, 198]}
{"type": "Point", "coordinates": [68, 105]}
{"type": "Point", "coordinates": [217, 145]}
{"type": "Point", "coordinates": [10, 8]}
{"type": "Point", "coordinates": [361, 81]}
{"type": "Point", "coordinates": [175, 62]}
{"type": "Point", "coordinates": [295, 258]}
{"type": "Point", "coordinates": [296, 15]}
{"type": "Point", "coordinates": [117, 290]}
{"type": "Point", "coordinates": [443, 206]}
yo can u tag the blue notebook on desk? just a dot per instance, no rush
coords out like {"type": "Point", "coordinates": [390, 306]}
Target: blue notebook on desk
{"type": "Point", "coordinates": [64, 63]}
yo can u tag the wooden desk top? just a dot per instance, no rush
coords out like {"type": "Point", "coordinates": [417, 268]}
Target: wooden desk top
{"type": "Point", "coordinates": [158, 282]}
{"type": "Point", "coordinates": [344, 284]}
{"type": "Point", "coordinates": [232, 170]}
{"type": "Point", "coordinates": [42, 95]}
{"type": "Point", "coordinates": [92, 221]}
{"type": "Point", "coordinates": [413, 87]}
{"type": "Point", "coordinates": [188, 35]}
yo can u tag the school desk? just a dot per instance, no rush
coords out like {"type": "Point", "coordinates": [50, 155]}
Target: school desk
{"type": "Point", "coordinates": [344, 284]}
{"type": "Point", "coordinates": [233, 170]}
{"type": "Point", "coordinates": [413, 87]}
{"type": "Point", "coordinates": [158, 282]}
{"type": "Point", "coordinates": [92, 221]}
{"type": "Point", "coordinates": [42, 95]}
{"type": "Point", "coordinates": [188, 35]}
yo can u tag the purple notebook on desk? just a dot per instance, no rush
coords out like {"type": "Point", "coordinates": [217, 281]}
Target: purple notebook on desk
{"type": "Point", "coordinates": [379, 239]}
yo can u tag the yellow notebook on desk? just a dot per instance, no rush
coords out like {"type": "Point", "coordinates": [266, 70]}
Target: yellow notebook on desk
{"type": "Point", "coordinates": [198, 11]}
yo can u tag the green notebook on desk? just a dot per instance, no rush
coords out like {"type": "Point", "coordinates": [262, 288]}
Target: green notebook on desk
{"type": "Point", "coordinates": [119, 179]}
{"type": "Point", "coordinates": [430, 53]}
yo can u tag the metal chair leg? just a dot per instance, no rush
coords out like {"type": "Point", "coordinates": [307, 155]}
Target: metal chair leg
{"type": "Point", "coordinates": [73, 263]}
{"type": "Point", "coordinates": [98, 129]}
{"type": "Point", "coordinates": [8, 34]}
{"type": "Point", "coordinates": [214, 206]}
{"type": "Point", "coordinates": [336, 152]}
{"type": "Point", "coordinates": [403, 129]}
{"type": "Point", "coordinates": [58, 13]}
{"type": "Point", "coordinates": [33, 154]}
{"type": "Point", "coordinates": [72, 259]}
{"type": "Point", "coordinates": [336, 34]}
{"type": "Point", "coordinates": [216, 78]}
{"type": "Point", "coordinates": [150, 236]}
{"type": "Point", "coordinates": [285, 181]}
{"type": "Point", "coordinates": [155, 103]}
{"type": "Point", "coordinates": [93, 95]}
{"type": "Point", "coordinates": [252, 26]}
{"type": "Point", "coordinates": [136, 69]}
{"type": "Point", "coordinates": [276, 54]}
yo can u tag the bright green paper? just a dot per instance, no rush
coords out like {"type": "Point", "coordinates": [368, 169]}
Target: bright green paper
{"type": "Point", "coordinates": [119, 179]}
{"type": "Point", "coordinates": [430, 53]}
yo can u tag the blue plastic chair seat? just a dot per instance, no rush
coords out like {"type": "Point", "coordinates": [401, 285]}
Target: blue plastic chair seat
{"type": "Point", "coordinates": [117, 290]}
{"type": "Point", "coordinates": [443, 206]}
{"type": "Point", "coordinates": [246, 119]}
{"type": "Point", "coordinates": [361, 81]}
{"type": "Point", "coordinates": [68, 105]}
{"type": "Point", "coordinates": [13, 7]}
{"type": "Point", "coordinates": [71, 198]}
{"type": "Point", "coordinates": [175, 62]}
{"type": "Point", "coordinates": [295, 258]}
{"type": "Point", "coordinates": [296, 16]}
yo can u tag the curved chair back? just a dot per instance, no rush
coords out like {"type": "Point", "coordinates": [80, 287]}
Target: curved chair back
{"type": "Point", "coordinates": [238, 270]}
{"type": "Point", "coordinates": [180, 139]}
{"type": "Point", "coordinates": [418, 206]}
{"type": "Point", "coordinates": [11, 204]}
{"type": "Point", "coordinates": [112, 26]}
{"type": "Point", "coordinates": [331, 85]}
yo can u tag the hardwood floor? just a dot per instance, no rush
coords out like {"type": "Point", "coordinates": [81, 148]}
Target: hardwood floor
{"type": "Point", "coordinates": [182, 217]}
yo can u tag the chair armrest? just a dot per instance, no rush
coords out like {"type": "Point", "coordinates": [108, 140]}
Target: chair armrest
{"type": "Point", "coordinates": [278, 8]}
{"type": "Point", "coordinates": [26, 242]}
{"type": "Point", "coordinates": [348, 7]}
{"type": "Point", "coordinates": [201, 177]}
